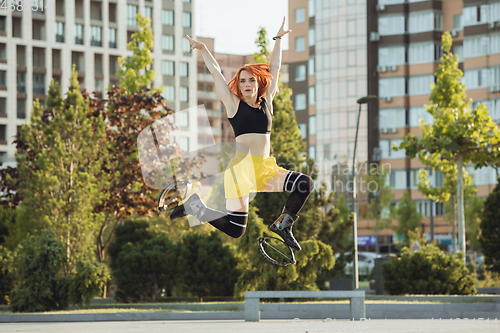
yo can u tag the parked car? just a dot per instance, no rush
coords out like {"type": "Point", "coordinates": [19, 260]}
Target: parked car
{"type": "Point", "coordinates": [366, 262]}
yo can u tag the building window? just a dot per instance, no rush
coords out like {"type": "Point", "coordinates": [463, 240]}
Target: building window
{"type": "Point", "coordinates": [169, 93]}
{"type": "Point", "coordinates": [351, 27]}
{"type": "Point", "coordinates": [99, 86]}
{"type": "Point", "coordinates": [60, 32]}
{"type": "Point", "coordinates": [167, 17]}
{"type": "Point", "coordinates": [311, 7]}
{"type": "Point", "coordinates": [96, 36]}
{"type": "Point", "coordinates": [391, 25]}
{"type": "Point", "coordinates": [312, 125]}
{"type": "Point", "coordinates": [311, 63]}
{"type": "Point", "coordinates": [112, 38]}
{"type": "Point", "coordinates": [300, 73]}
{"type": "Point", "coordinates": [474, 15]}
{"type": "Point", "coordinates": [3, 79]}
{"type": "Point", "coordinates": [421, 53]}
{"type": "Point", "coordinates": [183, 94]}
{"type": "Point", "coordinates": [21, 108]}
{"type": "Point", "coordinates": [477, 46]}
{"type": "Point", "coordinates": [391, 118]}
{"type": "Point", "coordinates": [326, 151]}
{"type": "Point", "coordinates": [79, 34]}
{"type": "Point", "coordinates": [183, 143]}
{"type": "Point", "coordinates": [3, 107]}
{"type": "Point", "coordinates": [168, 67]}
{"type": "Point", "coordinates": [392, 87]}
{"type": "Point", "coordinates": [38, 84]}
{"type": "Point", "coordinates": [458, 22]}
{"type": "Point", "coordinates": [167, 42]}
{"type": "Point", "coordinates": [186, 46]}
{"type": "Point", "coordinates": [300, 102]}
{"type": "Point", "coordinates": [186, 20]}
{"type": "Point", "coordinates": [312, 36]}
{"type": "Point", "coordinates": [21, 82]}
{"type": "Point", "coordinates": [387, 151]}
{"type": "Point", "coordinates": [425, 21]}
{"type": "Point", "coordinates": [391, 56]}
{"type": "Point", "coordinates": [312, 95]}
{"type": "Point", "coordinates": [420, 84]}
{"type": "Point", "coordinates": [183, 69]}
{"type": "Point", "coordinates": [351, 58]}
{"type": "Point", "coordinates": [300, 44]}
{"type": "Point", "coordinates": [147, 12]}
{"type": "Point", "coordinates": [300, 15]}
{"type": "Point", "coordinates": [417, 113]}
{"type": "Point", "coordinates": [182, 119]}
{"type": "Point", "coordinates": [303, 130]}
{"type": "Point", "coordinates": [131, 15]}
{"type": "Point", "coordinates": [476, 78]}
{"type": "Point", "coordinates": [312, 152]}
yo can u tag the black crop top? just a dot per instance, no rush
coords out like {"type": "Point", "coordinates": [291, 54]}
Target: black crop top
{"type": "Point", "coordinates": [252, 120]}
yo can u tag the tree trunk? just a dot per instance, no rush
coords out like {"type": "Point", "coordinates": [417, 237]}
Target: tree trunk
{"type": "Point", "coordinates": [460, 204]}
{"type": "Point", "coordinates": [377, 246]}
{"type": "Point", "coordinates": [454, 235]}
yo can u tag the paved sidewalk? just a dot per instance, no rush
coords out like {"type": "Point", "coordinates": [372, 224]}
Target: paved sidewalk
{"type": "Point", "coordinates": [264, 326]}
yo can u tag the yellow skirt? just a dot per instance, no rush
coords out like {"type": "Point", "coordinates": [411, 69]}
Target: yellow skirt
{"type": "Point", "coordinates": [247, 173]}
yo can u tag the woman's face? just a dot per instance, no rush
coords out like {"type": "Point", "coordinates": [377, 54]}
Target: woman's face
{"type": "Point", "coordinates": [248, 84]}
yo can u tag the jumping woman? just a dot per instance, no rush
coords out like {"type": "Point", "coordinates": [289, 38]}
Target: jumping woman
{"type": "Point", "coordinates": [248, 101]}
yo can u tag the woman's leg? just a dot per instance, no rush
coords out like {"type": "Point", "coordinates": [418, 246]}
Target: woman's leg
{"type": "Point", "coordinates": [299, 184]}
{"type": "Point", "coordinates": [233, 223]}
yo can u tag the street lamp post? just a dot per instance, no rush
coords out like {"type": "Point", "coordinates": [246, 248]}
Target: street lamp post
{"type": "Point", "coordinates": [355, 277]}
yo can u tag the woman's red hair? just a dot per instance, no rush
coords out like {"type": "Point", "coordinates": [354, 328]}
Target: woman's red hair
{"type": "Point", "coordinates": [260, 71]}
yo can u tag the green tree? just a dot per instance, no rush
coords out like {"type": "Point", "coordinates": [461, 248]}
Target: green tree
{"type": "Point", "coordinates": [380, 204]}
{"type": "Point", "coordinates": [336, 231]}
{"type": "Point", "coordinates": [146, 271]}
{"type": "Point", "coordinates": [490, 230]}
{"type": "Point", "coordinates": [136, 73]}
{"type": "Point", "coordinates": [428, 271]}
{"type": "Point", "coordinates": [407, 216]}
{"type": "Point", "coordinates": [64, 151]}
{"type": "Point", "coordinates": [204, 262]}
{"type": "Point", "coordinates": [43, 281]}
{"type": "Point", "coordinates": [259, 274]}
{"type": "Point", "coordinates": [446, 192]}
{"type": "Point", "coordinates": [6, 274]}
{"type": "Point", "coordinates": [458, 134]}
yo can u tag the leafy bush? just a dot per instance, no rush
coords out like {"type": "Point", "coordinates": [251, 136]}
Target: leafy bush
{"type": "Point", "coordinates": [6, 275]}
{"type": "Point", "coordinates": [428, 271]}
{"type": "Point", "coordinates": [206, 267]}
{"type": "Point", "coordinates": [145, 271]}
{"type": "Point", "coordinates": [45, 281]}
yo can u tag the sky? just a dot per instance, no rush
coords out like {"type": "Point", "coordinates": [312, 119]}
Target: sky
{"type": "Point", "coordinates": [234, 23]}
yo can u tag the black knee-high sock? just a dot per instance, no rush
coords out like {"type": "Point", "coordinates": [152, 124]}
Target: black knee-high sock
{"type": "Point", "coordinates": [301, 187]}
{"type": "Point", "coordinates": [233, 224]}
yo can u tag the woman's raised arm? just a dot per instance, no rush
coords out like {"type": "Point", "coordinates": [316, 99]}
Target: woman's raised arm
{"type": "Point", "coordinates": [226, 96]}
{"type": "Point", "coordinates": [275, 62]}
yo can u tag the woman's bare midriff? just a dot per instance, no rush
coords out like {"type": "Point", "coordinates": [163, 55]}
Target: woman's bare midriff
{"type": "Point", "coordinates": [258, 144]}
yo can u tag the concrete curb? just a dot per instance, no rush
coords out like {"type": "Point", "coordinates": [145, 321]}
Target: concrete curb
{"type": "Point", "coordinates": [283, 311]}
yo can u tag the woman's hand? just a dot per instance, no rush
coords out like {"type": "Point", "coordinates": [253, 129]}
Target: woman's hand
{"type": "Point", "coordinates": [195, 44]}
{"type": "Point", "coordinates": [282, 31]}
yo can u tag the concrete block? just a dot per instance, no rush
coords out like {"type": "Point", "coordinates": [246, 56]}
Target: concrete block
{"type": "Point", "coordinates": [252, 311]}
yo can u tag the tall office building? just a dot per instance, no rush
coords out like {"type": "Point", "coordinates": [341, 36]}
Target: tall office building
{"type": "Point", "coordinates": [37, 45]}
{"type": "Point", "coordinates": [388, 48]}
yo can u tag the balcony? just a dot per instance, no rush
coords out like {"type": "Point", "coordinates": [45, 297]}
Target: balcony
{"type": "Point", "coordinates": [21, 89]}
{"type": "Point", "coordinates": [94, 42]}
{"type": "Point", "coordinates": [60, 38]}
{"type": "Point", "coordinates": [79, 40]}
{"type": "Point", "coordinates": [112, 45]}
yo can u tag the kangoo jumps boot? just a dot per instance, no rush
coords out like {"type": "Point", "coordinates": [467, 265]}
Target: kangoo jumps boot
{"type": "Point", "coordinates": [283, 227]}
{"type": "Point", "coordinates": [193, 206]}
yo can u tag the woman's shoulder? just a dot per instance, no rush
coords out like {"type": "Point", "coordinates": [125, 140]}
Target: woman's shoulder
{"type": "Point", "coordinates": [233, 109]}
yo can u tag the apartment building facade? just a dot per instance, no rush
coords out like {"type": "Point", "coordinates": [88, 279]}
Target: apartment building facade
{"type": "Point", "coordinates": [39, 45]}
{"type": "Point", "coordinates": [388, 48]}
